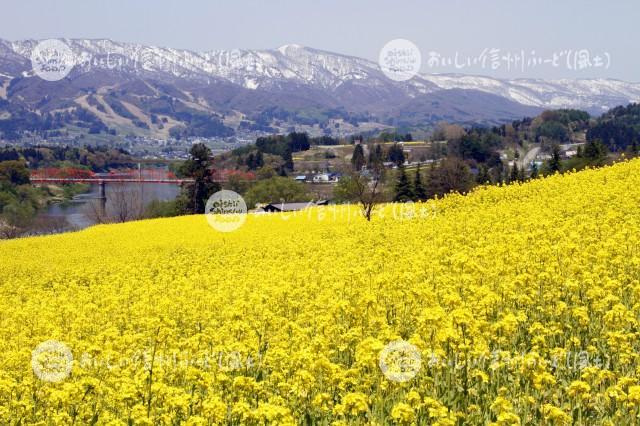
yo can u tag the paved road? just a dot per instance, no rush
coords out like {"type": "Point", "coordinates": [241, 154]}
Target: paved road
{"type": "Point", "coordinates": [529, 157]}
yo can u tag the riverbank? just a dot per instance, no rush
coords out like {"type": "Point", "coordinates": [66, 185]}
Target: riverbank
{"type": "Point", "coordinates": [76, 207]}
{"type": "Point", "coordinates": [64, 193]}
{"type": "Point", "coordinates": [34, 218]}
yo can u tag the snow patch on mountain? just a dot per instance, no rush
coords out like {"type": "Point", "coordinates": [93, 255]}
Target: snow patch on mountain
{"type": "Point", "coordinates": [291, 63]}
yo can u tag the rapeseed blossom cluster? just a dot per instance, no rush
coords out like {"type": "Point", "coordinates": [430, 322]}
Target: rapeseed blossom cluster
{"type": "Point", "coordinates": [283, 320]}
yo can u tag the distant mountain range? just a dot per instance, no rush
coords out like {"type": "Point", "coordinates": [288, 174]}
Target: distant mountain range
{"type": "Point", "coordinates": [146, 90]}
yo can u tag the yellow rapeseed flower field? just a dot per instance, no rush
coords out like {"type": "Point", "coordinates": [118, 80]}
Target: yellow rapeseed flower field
{"type": "Point", "coordinates": [522, 301]}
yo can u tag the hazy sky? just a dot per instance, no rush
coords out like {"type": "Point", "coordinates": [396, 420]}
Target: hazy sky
{"type": "Point", "coordinates": [361, 28]}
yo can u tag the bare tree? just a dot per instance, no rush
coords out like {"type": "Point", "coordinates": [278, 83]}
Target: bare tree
{"type": "Point", "coordinates": [8, 231]}
{"type": "Point", "coordinates": [45, 225]}
{"type": "Point", "coordinates": [363, 187]}
{"type": "Point", "coordinates": [124, 203]}
{"type": "Point", "coordinates": [451, 175]}
{"type": "Point", "coordinates": [447, 131]}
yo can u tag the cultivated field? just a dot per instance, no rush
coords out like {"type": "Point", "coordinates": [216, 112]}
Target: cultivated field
{"type": "Point", "coordinates": [338, 157]}
{"type": "Point", "coordinates": [513, 305]}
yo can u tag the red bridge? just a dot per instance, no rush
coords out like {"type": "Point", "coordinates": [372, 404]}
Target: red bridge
{"type": "Point", "coordinates": [98, 180]}
{"type": "Point", "coordinates": [72, 175]}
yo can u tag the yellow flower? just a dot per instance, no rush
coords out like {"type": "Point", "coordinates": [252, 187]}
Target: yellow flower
{"type": "Point", "coordinates": [521, 299]}
{"type": "Point", "coordinates": [555, 415]}
{"type": "Point", "coordinates": [323, 401]}
{"type": "Point", "coordinates": [634, 395]}
{"type": "Point", "coordinates": [402, 413]}
{"type": "Point", "coordinates": [215, 409]}
{"type": "Point", "coordinates": [579, 389]}
{"type": "Point", "coordinates": [543, 379]}
{"type": "Point", "coordinates": [501, 405]}
{"type": "Point", "coordinates": [507, 419]}
{"type": "Point", "coordinates": [355, 403]}
{"type": "Point", "coordinates": [413, 398]}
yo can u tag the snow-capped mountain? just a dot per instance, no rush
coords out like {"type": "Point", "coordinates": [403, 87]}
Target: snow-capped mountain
{"type": "Point", "coordinates": [595, 95]}
{"type": "Point", "coordinates": [285, 82]}
{"type": "Point", "coordinates": [249, 68]}
{"type": "Point", "coordinates": [303, 65]}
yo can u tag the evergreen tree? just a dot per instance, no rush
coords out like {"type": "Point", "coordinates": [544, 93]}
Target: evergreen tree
{"type": "Point", "coordinates": [514, 173]}
{"type": "Point", "coordinates": [483, 175]}
{"type": "Point", "coordinates": [251, 162]}
{"type": "Point", "coordinates": [595, 151]}
{"type": "Point", "coordinates": [419, 191]}
{"type": "Point", "coordinates": [288, 162]}
{"type": "Point", "coordinates": [396, 155]}
{"type": "Point", "coordinates": [198, 167]}
{"type": "Point", "coordinates": [376, 157]}
{"type": "Point", "coordinates": [403, 187]}
{"type": "Point", "coordinates": [554, 164]}
{"type": "Point", "coordinates": [259, 159]}
{"type": "Point", "coordinates": [521, 174]}
{"type": "Point", "coordinates": [534, 171]}
{"type": "Point", "coordinates": [379, 154]}
{"type": "Point", "coordinates": [357, 159]}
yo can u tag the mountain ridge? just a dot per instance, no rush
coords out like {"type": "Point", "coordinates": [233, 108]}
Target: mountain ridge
{"type": "Point", "coordinates": [284, 87]}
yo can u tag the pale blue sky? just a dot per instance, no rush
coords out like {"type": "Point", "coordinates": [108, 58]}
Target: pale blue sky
{"type": "Point", "coordinates": [354, 27]}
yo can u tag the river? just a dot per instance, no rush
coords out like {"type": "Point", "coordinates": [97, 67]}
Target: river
{"type": "Point", "coordinates": [78, 212]}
